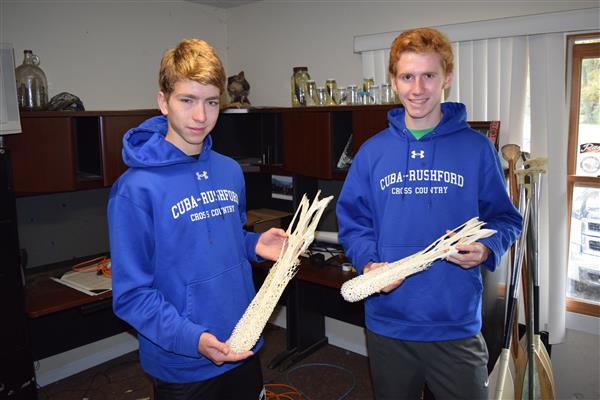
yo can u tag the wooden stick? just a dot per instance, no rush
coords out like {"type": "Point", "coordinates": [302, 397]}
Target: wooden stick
{"type": "Point", "coordinates": [501, 387]}
{"type": "Point", "coordinates": [512, 153]}
{"type": "Point", "coordinates": [539, 382]}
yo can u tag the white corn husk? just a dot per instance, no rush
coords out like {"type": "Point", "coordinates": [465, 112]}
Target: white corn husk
{"type": "Point", "coordinates": [250, 326]}
{"type": "Point", "coordinates": [374, 281]}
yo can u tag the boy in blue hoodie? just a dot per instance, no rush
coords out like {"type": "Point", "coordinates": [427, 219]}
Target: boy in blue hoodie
{"type": "Point", "coordinates": [427, 173]}
{"type": "Point", "coordinates": [180, 257]}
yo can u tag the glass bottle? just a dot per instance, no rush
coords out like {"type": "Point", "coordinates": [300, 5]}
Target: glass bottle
{"type": "Point", "coordinates": [387, 95]}
{"type": "Point", "coordinates": [367, 83]}
{"type": "Point", "coordinates": [341, 96]}
{"type": "Point", "coordinates": [298, 89]}
{"type": "Point", "coordinates": [374, 94]}
{"type": "Point", "coordinates": [331, 86]}
{"type": "Point", "coordinates": [32, 86]}
{"type": "Point", "coordinates": [321, 96]}
{"type": "Point", "coordinates": [352, 95]}
{"type": "Point", "coordinates": [311, 93]}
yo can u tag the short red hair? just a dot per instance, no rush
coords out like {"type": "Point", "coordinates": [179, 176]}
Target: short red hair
{"type": "Point", "coordinates": [422, 40]}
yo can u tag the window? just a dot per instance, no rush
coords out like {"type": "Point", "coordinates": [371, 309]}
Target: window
{"type": "Point", "coordinates": [583, 285]}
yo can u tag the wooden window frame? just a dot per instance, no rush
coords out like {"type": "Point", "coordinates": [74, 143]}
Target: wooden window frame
{"type": "Point", "coordinates": [578, 53]}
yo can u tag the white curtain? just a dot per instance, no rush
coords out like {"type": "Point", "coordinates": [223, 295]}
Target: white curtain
{"type": "Point", "coordinates": [549, 137]}
{"type": "Point", "coordinates": [375, 65]}
{"type": "Point", "coordinates": [490, 79]}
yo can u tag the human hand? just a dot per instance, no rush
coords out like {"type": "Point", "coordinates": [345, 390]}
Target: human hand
{"type": "Point", "coordinates": [372, 266]}
{"type": "Point", "coordinates": [270, 243]}
{"type": "Point", "coordinates": [218, 352]}
{"type": "Point", "coordinates": [469, 255]}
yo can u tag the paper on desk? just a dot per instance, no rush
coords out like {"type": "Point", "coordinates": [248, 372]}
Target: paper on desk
{"type": "Point", "coordinates": [88, 282]}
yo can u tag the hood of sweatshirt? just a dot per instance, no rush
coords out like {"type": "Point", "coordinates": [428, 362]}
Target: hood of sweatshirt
{"type": "Point", "coordinates": [145, 146]}
{"type": "Point", "coordinates": [454, 118]}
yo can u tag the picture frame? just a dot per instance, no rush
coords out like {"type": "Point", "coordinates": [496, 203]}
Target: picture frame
{"type": "Point", "coordinates": [10, 122]}
{"type": "Point", "coordinates": [490, 129]}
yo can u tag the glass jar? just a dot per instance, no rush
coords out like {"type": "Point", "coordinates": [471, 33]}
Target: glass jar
{"type": "Point", "coordinates": [352, 95]}
{"type": "Point", "coordinates": [331, 86]}
{"type": "Point", "coordinates": [367, 83]}
{"type": "Point", "coordinates": [298, 86]}
{"type": "Point", "coordinates": [311, 93]}
{"type": "Point", "coordinates": [32, 86]}
{"type": "Point", "coordinates": [322, 96]}
{"type": "Point", "coordinates": [374, 94]}
{"type": "Point", "coordinates": [364, 98]}
{"type": "Point", "coordinates": [387, 94]}
{"type": "Point", "coordinates": [341, 96]}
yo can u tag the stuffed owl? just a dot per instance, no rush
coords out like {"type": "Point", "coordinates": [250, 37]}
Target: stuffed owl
{"type": "Point", "coordinates": [238, 89]}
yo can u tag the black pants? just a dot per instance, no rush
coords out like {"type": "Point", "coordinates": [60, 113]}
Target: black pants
{"type": "Point", "coordinates": [242, 383]}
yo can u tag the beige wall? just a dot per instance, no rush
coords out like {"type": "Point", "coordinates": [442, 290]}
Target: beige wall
{"type": "Point", "coordinates": [268, 38]}
{"type": "Point", "coordinates": [107, 52]}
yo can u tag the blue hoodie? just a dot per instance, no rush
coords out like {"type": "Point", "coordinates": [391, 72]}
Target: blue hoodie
{"type": "Point", "coordinates": [179, 254]}
{"type": "Point", "coordinates": [399, 196]}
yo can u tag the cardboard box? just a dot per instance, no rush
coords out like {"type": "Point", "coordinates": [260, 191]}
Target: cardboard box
{"type": "Point", "coordinates": [262, 219]}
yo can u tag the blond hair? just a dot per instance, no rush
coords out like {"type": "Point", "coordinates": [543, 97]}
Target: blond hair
{"type": "Point", "coordinates": [422, 40]}
{"type": "Point", "coordinates": [192, 59]}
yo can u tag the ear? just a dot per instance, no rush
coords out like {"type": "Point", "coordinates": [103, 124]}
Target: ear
{"type": "Point", "coordinates": [448, 80]}
{"type": "Point", "coordinates": [163, 102]}
{"type": "Point", "coordinates": [393, 83]}
{"type": "Point", "coordinates": [241, 74]}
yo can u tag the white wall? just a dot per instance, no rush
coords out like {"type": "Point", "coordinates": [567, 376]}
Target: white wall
{"type": "Point", "coordinates": [268, 38]}
{"type": "Point", "coordinates": [107, 52]}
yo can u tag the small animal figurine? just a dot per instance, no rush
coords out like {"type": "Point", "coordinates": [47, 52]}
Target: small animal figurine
{"type": "Point", "coordinates": [238, 89]}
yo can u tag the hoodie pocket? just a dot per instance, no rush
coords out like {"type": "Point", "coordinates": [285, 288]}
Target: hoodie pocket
{"type": "Point", "coordinates": [444, 293]}
{"type": "Point", "coordinates": [220, 301]}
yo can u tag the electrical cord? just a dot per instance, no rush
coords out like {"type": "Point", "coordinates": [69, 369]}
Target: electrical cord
{"type": "Point", "coordinates": [272, 394]}
{"type": "Point", "coordinates": [323, 365]}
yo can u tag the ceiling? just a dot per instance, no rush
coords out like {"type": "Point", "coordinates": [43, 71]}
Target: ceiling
{"type": "Point", "coordinates": [224, 3]}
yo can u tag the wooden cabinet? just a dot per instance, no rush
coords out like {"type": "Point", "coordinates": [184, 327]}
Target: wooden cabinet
{"type": "Point", "coordinates": [307, 143]}
{"type": "Point", "coordinates": [66, 151]}
{"type": "Point", "coordinates": [114, 127]}
{"type": "Point", "coordinates": [43, 155]}
{"type": "Point", "coordinates": [314, 137]}
{"type": "Point", "coordinates": [366, 122]}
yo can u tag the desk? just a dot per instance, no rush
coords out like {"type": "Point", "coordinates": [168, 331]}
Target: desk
{"type": "Point", "coordinates": [313, 294]}
{"type": "Point", "coordinates": [62, 318]}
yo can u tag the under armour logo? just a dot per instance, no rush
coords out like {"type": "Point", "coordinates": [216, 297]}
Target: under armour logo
{"type": "Point", "coordinates": [202, 175]}
{"type": "Point", "coordinates": [420, 154]}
